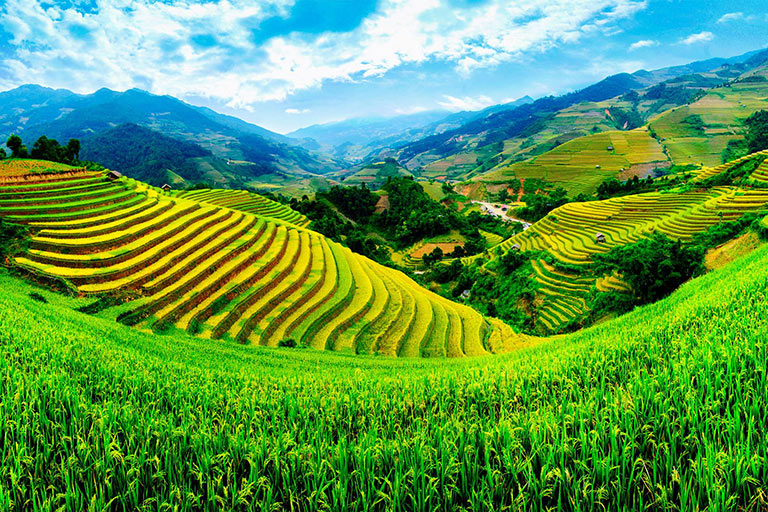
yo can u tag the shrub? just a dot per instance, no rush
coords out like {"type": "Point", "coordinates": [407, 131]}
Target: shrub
{"type": "Point", "coordinates": [287, 343]}
{"type": "Point", "coordinates": [39, 298]}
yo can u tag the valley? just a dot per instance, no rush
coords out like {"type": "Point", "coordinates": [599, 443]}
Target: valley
{"type": "Point", "coordinates": [383, 256]}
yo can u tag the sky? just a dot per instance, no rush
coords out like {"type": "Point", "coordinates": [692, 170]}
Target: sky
{"type": "Point", "coordinates": [285, 64]}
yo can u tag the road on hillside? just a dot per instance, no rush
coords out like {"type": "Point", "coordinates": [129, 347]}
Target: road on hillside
{"type": "Point", "coordinates": [500, 210]}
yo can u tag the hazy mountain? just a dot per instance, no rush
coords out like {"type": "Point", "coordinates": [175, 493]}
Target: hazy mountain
{"type": "Point", "coordinates": [358, 138]}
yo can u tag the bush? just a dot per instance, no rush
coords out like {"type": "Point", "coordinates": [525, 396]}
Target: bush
{"type": "Point", "coordinates": [654, 267]}
{"type": "Point", "coordinates": [39, 298]}
{"type": "Point", "coordinates": [287, 343]}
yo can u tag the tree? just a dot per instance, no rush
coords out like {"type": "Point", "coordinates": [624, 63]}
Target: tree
{"type": "Point", "coordinates": [2, 153]}
{"type": "Point", "coordinates": [73, 150]}
{"type": "Point", "coordinates": [48, 149]}
{"type": "Point", "coordinates": [14, 144]}
{"type": "Point", "coordinates": [757, 131]}
{"type": "Point", "coordinates": [654, 267]}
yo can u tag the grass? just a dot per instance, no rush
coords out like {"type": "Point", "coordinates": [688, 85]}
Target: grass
{"type": "Point", "coordinates": [661, 409]}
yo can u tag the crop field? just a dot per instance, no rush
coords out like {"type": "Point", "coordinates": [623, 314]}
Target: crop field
{"type": "Point", "coordinates": [663, 408]}
{"type": "Point", "coordinates": [247, 202]}
{"type": "Point", "coordinates": [229, 265]}
{"type": "Point", "coordinates": [569, 234]}
{"type": "Point", "coordinates": [722, 111]}
{"type": "Point", "coordinates": [580, 165]}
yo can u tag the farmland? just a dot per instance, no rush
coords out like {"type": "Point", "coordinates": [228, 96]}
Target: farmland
{"type": "Point", "coordinates": [229, 265]}
{"type": "Point", "coordinates": [569, 236]}
{"type": "Point", "coordinates": [97, 415]}
{"type": "Point", "coordinates": [580, 165]}
{"type": "Point", "coordinates": [721, 111]}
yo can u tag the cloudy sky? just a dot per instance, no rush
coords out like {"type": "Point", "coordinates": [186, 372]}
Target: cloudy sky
{"type": "Point", "coordinates": [284, 64]}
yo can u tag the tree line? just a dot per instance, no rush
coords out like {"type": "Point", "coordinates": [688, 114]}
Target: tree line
{"type": "Point", "coordinates": [44, 149]}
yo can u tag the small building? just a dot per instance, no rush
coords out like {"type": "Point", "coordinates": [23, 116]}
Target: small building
{"type": "Point", "coordinates": [597, 166]}
{"type": "Point", "coordinates": [166, 187]}
{"type": "Point", "coordinates": [610, 148]}
{"type": "Point", "coordinates": [515, 247]}
{"type": "Point", "coordinates": [599, 238]}
{"type": "Point", "coordinates": [114, 175]}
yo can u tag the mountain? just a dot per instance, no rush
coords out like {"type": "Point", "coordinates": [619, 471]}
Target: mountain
{"type": "Point", "coordinates": [242, 154]}
{"type": "Point", "coordinates": [501, 124]}
{"type": "Point", "coordinates": [145, 154]}
{"type": "Point", "coordinates": [361, 138]}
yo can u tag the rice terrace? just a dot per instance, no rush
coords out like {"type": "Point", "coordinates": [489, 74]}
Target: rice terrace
{"type": "Point", "coordinates": [383, 256]}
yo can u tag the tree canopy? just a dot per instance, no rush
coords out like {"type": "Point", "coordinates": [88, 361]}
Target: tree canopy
{"type": "Point", "coordinates": [654, 266]}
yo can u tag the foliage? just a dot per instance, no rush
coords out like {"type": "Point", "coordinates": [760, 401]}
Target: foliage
{"type": "Point", "coordinates": [357, 203]}
{"type": "Point", "coordinates": [625, 119]}
{"type": "Point", "coordinates": [757, 131]}
{"type": "Point", "coordinates": [18, 149]}
{"type": "Point", "coordinates": [654, 266]}
{"type": "Point", "coordinates": [735, 173]}
{"type": "Point", "coordinates": [50, 149]}
{"type": "Point", "coordinates": [144, 154]}
{"type": "Point", "coordinates": [734, 150]}
{"type": "Point", "coordinates": [537, 206]}
{"type": "Point", "coordinates": [14, 239]}
{"type": "Point", "coordinates": [287, 343]}
{"type": "Point", "coordinates": [724, 231]}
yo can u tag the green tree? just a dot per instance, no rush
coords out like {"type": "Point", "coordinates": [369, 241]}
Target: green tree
{"type": "Point", "coordinates": [2, 153]}
{"type": "Point", "coordinates": [14, 144]}
{"type": "Point", "coordinates": [757, 131]}
{"type": "Point", "coordinates": [73, 150]}
{"type": "Point", "coordinates": [654, 267]}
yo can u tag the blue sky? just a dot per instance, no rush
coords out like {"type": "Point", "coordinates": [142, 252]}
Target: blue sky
{"type": "Point", "coordinates": [284, 64]}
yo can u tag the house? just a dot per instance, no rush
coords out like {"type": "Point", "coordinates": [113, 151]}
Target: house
{"type": "Point", "coordinates": [597, 166]}
{"type": "Point", "coordinates": [515, 247]}
{"type": "Point", "coordinates": [610, 148]}
{"type": "Point", "coordinates": [599, 238]}
{"type": "Point", "coordinates": [114, 175]}
{"type": "Point", "coordinates": [166, 187]}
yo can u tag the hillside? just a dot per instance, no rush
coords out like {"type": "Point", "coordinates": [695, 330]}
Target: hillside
{"type": "Point", "coordinates": [562, 271]}
{"type": "Point", "coordinates": [225, 264]}
{"type": "Point", "coordinates": [490, 149]}
{"type": "Point", "coordinates": [243, 154]}
{"type": "Point", "coordinates": [592, 419]}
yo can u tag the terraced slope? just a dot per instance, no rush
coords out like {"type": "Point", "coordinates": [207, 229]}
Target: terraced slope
{"type": "Point", "coordinates": [247, 202]}
{"type": "Point", "coordinates": [698, 133]}
{"type": "Point", "coordinates": [569, 235]}
{"type": "Point", "coordinates": [225, 272]}
{"type": "Point", "coordinates": [580, 165]}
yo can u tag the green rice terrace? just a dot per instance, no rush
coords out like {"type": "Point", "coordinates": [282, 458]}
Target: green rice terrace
{"type": "Point", "coordinates": [227, 264]}
{"type": "Point", "coordinates": [570, 235]}
{"type": "Point", "coordinates": [662, 409]}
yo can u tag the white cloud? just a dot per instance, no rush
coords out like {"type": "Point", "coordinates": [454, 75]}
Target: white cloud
{"type": "Point", "coordinates": [410, 110]}
{"type": "Point", "coordinates": [701, 37]}
{"type": "Point", "coordinates": [156, 45]}
{"type": "Point", "coordinates": [466, 103]}
{"type": "Point", "coordinates": [645, 43]}
{"type": "Point", "coordinates": [297, 111]}
{"type": "Point", "coordinates": [731, 16]}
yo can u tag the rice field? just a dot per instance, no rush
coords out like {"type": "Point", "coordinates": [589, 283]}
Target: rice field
{"type": "Point", "coordinates": [569, 234]}
{"type": "Point", "coordinates": [581, 164]}
{"type": "Point", "coordinates": [661, 409]}
{"type": "Point", "coordinates": [229, 265]}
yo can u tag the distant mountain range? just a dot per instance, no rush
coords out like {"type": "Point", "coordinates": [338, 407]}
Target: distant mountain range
{"type": "Point", "coordinates": [355, 139]}
{"type": "Point", "coordinates": [231, 151]}
{"type": "Point", "coordinates": [228, 152]}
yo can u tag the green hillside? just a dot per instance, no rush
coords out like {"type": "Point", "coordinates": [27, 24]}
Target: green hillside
{"type": "Point", "coordinates": [226, 265]}
{"type": "Point", "coordinates": [663, 408]}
